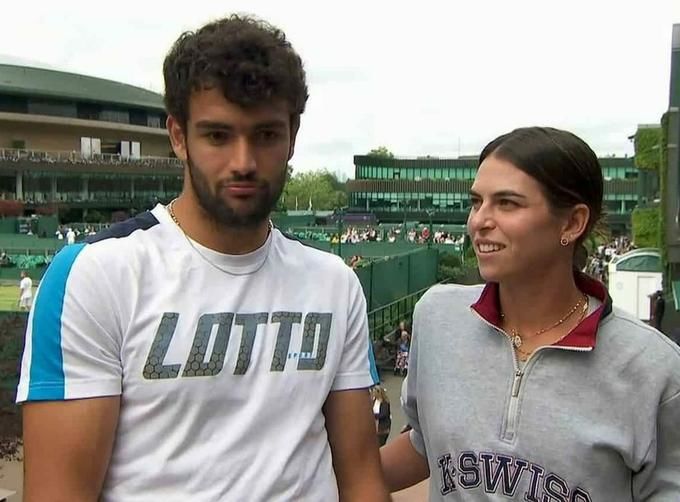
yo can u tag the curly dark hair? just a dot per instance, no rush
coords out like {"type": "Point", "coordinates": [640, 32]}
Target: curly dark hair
{"type": "Point", "coordinates": [247, 58]}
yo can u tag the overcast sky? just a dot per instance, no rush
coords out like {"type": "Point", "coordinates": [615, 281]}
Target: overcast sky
{"type": "Point", "coordinates": [420, 77]}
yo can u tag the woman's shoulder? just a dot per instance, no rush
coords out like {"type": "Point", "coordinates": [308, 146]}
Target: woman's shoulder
{"type": "Point", "coordinates": [636, 347]}
{"type": "Point", "coordinates": [452, 295]}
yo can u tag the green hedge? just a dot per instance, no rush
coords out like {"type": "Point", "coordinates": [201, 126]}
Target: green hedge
{"type": "Point", "coordinates": [647, 142]}
{"type": "Point", "coordinates": [646, 227]}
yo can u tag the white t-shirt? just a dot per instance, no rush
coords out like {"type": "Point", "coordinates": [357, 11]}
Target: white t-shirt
{"type": "Point", "coordinates": [26, 288]}
{"type": "Point", "coordinates": [223, 363]}
{"type": "Point", "coordinates": [70, 237]}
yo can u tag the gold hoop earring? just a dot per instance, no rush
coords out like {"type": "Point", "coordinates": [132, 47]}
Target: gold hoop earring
{"type": "Point", "coordinates": [564, 241]}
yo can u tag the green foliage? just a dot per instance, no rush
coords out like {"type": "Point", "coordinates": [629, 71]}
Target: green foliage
{"type": "Point", "coordinates": [321, 187]}
{"type": "Point", "coordinates": [647, 144]}
{"type": "Point", "coordinates": [646, 227]}
{"type": "Point", "coordinates": [381, 151]}
{"type": "Point", "coordinates": [452, 269]}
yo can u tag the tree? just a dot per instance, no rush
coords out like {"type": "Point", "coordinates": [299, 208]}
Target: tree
{"type": "Point", "coordinates": [320, 189]}
{"type": "Point", "coordinates": [381, 151]}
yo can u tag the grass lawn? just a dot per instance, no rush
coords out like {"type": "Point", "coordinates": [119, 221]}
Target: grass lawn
{"type": "Point", "coordinates": [9, 297]}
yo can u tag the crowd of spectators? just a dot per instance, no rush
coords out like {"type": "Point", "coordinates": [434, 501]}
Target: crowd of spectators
{"type": "Point", "coordinates": [356, 235]}
{"type": "Point", "coordinates": [598, 263]}
{"type": "Point", "coordinates": [74, 157]}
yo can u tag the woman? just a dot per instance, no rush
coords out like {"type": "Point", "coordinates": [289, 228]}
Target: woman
{"type": "Point", "coordinates": [382, 413]}
{"type": "Point", "coordinates": [532, 387]}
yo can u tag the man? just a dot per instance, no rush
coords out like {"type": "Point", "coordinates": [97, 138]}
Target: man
{"type": "Point", "coordinates": [194, 352]}
{"type": "Point", "coordinates": [25, 291]}
{"type": "Point", "coordinates": [70, 237]}
{"type": "Point", "coordinates": [658, 309]}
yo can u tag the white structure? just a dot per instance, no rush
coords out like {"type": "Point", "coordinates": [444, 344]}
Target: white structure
{"type": "Point", "coordinates": [634, 276]}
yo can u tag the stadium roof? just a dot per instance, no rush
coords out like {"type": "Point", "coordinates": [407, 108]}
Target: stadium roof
{"type": "Point", "coordinates": [50, 83]}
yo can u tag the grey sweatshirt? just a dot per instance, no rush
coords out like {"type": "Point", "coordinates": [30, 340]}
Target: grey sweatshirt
{"type": "Point", "coordinates": [594, 418]}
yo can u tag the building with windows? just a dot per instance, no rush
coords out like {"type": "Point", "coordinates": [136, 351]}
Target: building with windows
{"type": "Point", "coordinates": [71, 142]}
{"type": "Point", "coordinates": [398, 189]}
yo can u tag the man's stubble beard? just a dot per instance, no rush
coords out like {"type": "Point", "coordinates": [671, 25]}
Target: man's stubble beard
{"type": "Point", "coordinates": [221, 212]}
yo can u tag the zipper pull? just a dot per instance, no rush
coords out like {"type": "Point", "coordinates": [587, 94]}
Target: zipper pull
{"type": "Point", "coordinates": [516, 383]}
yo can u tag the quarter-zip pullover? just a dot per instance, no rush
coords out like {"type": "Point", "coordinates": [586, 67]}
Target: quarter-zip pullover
{"type": "Point", "coordinates": [595, 417]}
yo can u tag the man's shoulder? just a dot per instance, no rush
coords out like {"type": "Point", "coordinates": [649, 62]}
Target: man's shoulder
{"type": "Point", "coordinates": [125, 229]}
{"type": "Point", "coordinates": [119, 243]}
{"type": "Point", "coordinates": [311, 258]}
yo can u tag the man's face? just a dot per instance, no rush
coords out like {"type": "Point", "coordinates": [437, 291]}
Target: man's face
{"type": "Point", "coordinates": [236, 158]}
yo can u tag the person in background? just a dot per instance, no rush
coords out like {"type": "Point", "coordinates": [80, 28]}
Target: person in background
{"type": "Point", "coordinates": [25, 291]}
{"type": "Point", "coordinates": [401, 364]}
{"type": "Point", "coordinates": [382, 412]}
{"type": "Point", "coordinates": [658, 309]}
{"type": "Point", "coordinates": [70, 236]}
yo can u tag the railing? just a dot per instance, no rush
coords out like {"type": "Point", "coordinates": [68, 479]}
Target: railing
{"type": "Point", "coordinates": [383, 320]}
{"type": "Point", "coordinates": [54, 157]}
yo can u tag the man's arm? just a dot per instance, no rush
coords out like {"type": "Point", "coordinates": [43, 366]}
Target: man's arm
{"type": "Point", "coordinates": [404, 460]}
{"type": "Point", "coordinates": [402, 465]}
{"type": "Point", "coordinates": [67, 446]}
{"type": "Point", "coordinates": [71, 380]}
{"type": "Point", "coordinates": [352, 437]}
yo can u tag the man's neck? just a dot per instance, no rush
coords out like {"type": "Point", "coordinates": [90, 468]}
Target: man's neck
{"type": "Point", "coordinates": [199, 226]}
{"type": "Point", "coordinates": [533, 303]}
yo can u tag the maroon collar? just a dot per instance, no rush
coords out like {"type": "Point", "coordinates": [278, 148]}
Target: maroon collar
{"type": "Point", "coordinates": [581, 337]}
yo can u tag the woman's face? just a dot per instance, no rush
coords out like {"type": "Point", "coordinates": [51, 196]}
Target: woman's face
{"type": "Point", "coordinates": [515, 233]}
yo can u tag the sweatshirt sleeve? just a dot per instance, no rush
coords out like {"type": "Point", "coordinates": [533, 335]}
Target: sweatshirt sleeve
{"type": "Point", "coordinates": [659, 478]}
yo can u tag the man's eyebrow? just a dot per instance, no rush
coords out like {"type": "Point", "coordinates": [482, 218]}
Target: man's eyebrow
{"type": "Point", "coordinates": [213, 124]}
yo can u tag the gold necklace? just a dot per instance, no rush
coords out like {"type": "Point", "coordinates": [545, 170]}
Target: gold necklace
{"type": "Point", "coordinates": [581, 317]}
{"type": "Point", "coordinates": [516, 338]}
{"type": "Point", "coordinates": [171, 211]}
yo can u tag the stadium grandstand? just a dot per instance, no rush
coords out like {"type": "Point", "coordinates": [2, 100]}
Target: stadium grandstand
{"type": "Point", "coordinates": [72, 143]}
{"type": "Point", "coordinates": [437, 189]}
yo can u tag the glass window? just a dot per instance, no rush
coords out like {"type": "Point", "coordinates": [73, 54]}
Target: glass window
{"type": "Point", "coordinates": [37, 187]}
{"type": "Point", "coordinates": [613, 206]}
{"type": "Point", "coordinates": [53, 108]}
{"type": "Point", "coordinates": [139, 117]}
{"type": "Point", "coordinates": [120, 116]}
{"type": "Point", "coordinates": [88, 111]}
{"type": "Point", "coordinates": [13, 104]}
{"type": "Point", "coordinates": [154, 121]}
{"type": "Point", "coordinates": [644, 263]}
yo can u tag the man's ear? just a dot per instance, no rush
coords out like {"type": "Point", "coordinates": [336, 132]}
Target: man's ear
{"type": "Point", "coordinates": [177, 137]}
{"type": "Point", "coordinates": [294, 128]}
